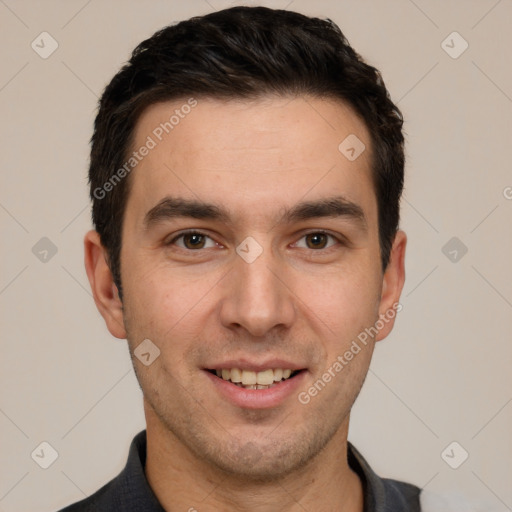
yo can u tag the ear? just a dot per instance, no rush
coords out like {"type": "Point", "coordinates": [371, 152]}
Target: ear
{"type": "Point", "coordinates": [103, 288]}
{"type": "Point", "coordinates": [392, 284]}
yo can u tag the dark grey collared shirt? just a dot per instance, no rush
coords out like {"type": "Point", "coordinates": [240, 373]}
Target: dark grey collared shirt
{"type": "Point", "coordinates": [130, 491]}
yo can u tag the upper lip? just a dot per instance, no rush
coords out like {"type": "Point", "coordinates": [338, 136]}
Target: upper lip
{"type": "Point", "coordinates": [245, 364]}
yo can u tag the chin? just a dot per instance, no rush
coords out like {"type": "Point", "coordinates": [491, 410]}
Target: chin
{"type": "Point", "coordinates": [267, 460]}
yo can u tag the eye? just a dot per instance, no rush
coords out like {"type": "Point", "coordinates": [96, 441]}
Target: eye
{"type": "Point", "coordinates": [317, 240]}
{"type": "Point", "coordinates": [193, 240]}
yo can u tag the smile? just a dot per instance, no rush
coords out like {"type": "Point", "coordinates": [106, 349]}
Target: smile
{"type": "Point", "coordinates": [256, 384]}
{"type": "Point", "coordinates": [249, 379]}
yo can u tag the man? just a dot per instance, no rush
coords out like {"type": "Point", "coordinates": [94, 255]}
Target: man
{"type": "Point", "coordinates": [246, 171]}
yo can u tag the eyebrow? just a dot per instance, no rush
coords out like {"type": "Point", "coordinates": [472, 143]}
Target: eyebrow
{"type": "Point", "coordinates": [330, 207]}
{"type": "Point", "coordinates": [173, 207]}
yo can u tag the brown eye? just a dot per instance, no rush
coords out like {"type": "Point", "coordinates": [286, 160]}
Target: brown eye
{"type": "Point", "coordinates": [193, 241]}
{"type": "Point", "coordinates": [316, 240]}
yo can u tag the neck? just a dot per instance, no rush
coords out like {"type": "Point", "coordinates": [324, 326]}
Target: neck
{"type": "Point", "coordinates": [181, 481]}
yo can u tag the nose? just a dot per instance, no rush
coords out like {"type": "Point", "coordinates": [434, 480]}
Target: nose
{"type": "Point", "coordinates": [256, 297]}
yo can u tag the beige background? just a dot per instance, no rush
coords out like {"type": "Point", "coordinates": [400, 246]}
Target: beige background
{"type": "Point", "coordinates": [442, 376]}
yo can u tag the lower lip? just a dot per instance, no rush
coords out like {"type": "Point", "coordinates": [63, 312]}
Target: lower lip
{"type": "Point", "coordinates": [257, 398]}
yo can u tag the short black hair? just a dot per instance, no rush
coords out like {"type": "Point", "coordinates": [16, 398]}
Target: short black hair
{"type": "Point", "coordinates": [241, 53]}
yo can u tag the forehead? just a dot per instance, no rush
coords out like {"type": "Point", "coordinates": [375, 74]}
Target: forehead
{"type": "Point", "coordinates": [251, 156]}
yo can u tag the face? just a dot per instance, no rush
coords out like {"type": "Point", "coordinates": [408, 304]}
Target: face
{"type": "Point", "coordinates": [251, 254]}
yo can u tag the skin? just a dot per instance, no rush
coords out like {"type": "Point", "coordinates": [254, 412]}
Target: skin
{"type": "Point", "coordinates": [297, 301]}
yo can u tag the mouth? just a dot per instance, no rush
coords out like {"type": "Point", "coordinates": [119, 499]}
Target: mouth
{"type": "Point", "coordinates": [264, 386]}
{"type": "Point", "coordinates": [249, 379]}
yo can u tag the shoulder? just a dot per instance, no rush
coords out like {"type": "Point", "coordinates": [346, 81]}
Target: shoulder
{"type": "Point", "coordinates": [94, 502]}
{"type": "Point", "coordinates": [397, 495]}
{"type": "Point", "coordinates": [383, 494]}
{"type": "Point", "coordinates": [128, 491]}
{"type": "Point", "coordinates": [453, 502]}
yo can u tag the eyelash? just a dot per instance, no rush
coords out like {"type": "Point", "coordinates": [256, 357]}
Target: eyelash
{"type": "Point", "coordinates": [338, 239]}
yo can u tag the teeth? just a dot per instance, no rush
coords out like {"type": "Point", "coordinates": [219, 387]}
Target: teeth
{"type": "Point", "coordinates": [254, 380]}
{"type": "Point", "coordinates": [248, 377]}
{"type": "Point", "coordinates": [236, 375]}
{"type": "Point", "coordinates": [265, 378]}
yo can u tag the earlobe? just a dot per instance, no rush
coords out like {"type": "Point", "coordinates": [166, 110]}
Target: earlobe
{"type": "Point", "coordinates": [392, 285]}
{"type": "Point", "coordinates": [103, 288]}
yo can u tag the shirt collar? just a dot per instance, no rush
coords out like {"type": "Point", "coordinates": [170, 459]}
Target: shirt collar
{"type": "Point", "coordinates": [380, 495]}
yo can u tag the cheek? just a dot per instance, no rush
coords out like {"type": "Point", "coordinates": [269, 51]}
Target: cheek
{"type": "Point", "coordinates": [162, 301]}
{"type": "Point", "coordinates": [344, 301]}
